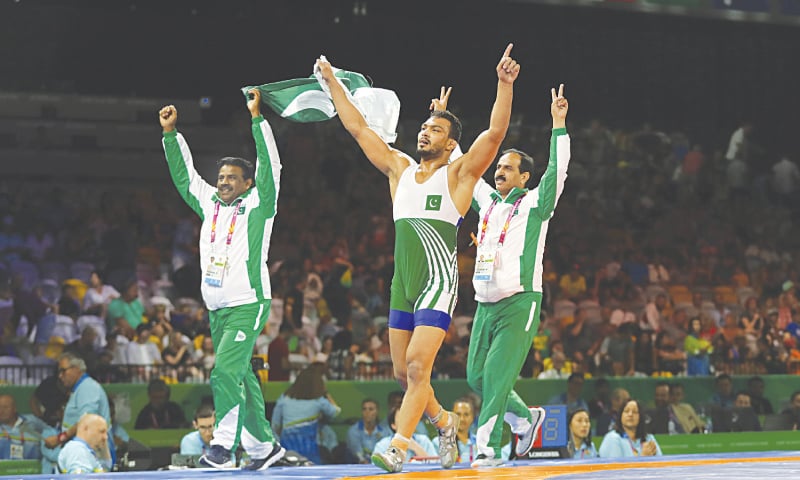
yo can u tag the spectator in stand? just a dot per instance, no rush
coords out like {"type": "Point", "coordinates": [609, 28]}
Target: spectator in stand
{"type": "Point", "coordinates": [654, 313]}
{"type": "Point", "coordinates": [160, 411]}
{"type": "Point", "coordinates": [143, 353]}
{"type": "Point", "coordinates": [572, 285]}
{"type": "Point", "coordinates": [669, 358]}
{"type": "Point", "coordinates": [126, 312]}
{"type": "Point", "coordinates": [299, 410]}
{"type": "Point", "coordinates": [278, 354]}
{"type": "Point", "coordinates": [697, 349]}
{"type": "Point", "coordinates": [580, 435]}
{"type": "Point", "coordinates": [341, 358]}
{"type": "Point", "coordinates": [81, 454]}
{"type": "Point", "coordinates": [204, 357]}
{"type": "Point", "coordinates": [723, 396]}
{"type": "Point", "coordinates": [557, 368]}
{"type": "Point", "coordinates": [761, 404]}
{"type": "Point", "coordinates": [644, 353]}
{"type": "Point", "coordinates": [199, 441]}
{"type": "Point", "coordinates": [629, 439]}
{"type": "Point", "coordinates": [98, 296]}
{"type": "Point", "coordinates": [572, 397]}
{"type": "Point", "coordinates": [84, 347]}
{"type": "Point", "coordinates": [365, 433]}
{"type": "Point", "coordinates": [178, 358]}
{"type": "Point", "coordinates": [19, 436]}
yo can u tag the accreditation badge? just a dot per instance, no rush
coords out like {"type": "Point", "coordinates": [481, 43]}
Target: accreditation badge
{"type": "Point", "coordinates": [215, 271]}
{"type": "Point", "coordinates": [16, 451]}
{"type": "Point", "coordinates": [485, 263]}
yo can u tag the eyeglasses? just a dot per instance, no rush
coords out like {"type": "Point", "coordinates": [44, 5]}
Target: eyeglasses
{"type": "Point", "coordinates": [62, 370]}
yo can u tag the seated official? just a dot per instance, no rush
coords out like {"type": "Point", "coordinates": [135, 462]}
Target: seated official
{"type": "Point", "coordinates": [160, 411]}
{"type": "Point", "coordinates": [628, 438]}
{"type": "Point", "coordinates": [580, 435]}
{"type": "Point", "coordinates": [20, 437]}
{"type": "Point", "coordinates": [197, 442]}
{"type": "Point", "coordinates": [79, 455]}
{"type": "Point", "coordinates": [418, 446]}
{"type": "Point", "coordinates": [365, 433]}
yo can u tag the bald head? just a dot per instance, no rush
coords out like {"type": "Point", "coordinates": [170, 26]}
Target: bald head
{"type": "Point", "coordinates": [93, 430]}
{"type": "Point", "coordinates": [8, 410]}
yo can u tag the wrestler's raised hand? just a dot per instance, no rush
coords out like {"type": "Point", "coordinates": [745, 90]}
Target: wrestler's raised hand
{"type": "Point", "coordinates": [507, 68]}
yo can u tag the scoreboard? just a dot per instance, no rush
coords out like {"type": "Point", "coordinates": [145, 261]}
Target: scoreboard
{"type": "Point", "coordinates": [552, 438]}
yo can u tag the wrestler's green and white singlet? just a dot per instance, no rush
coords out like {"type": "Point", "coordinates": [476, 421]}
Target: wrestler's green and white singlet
{"type": "Point", "coordinates": [426, 226]}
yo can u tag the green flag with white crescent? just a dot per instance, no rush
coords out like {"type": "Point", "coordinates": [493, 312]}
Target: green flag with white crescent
{"type": "Point", "coordinates": [307, 100]}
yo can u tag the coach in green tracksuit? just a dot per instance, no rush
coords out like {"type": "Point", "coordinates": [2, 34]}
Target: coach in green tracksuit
{"type": "Point", "coordinates": [237, 224]}
{"type": "Point", "coordinates": [508, 286]}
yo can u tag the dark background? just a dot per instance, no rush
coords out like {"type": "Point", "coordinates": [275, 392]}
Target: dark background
{"type": "Point", "coordinates": [698, 75]}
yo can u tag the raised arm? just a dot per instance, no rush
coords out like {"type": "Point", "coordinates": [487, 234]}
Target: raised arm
{"type": "Point", "coordinates": [188, 182]}
{"type": "Point", "coordinates": [552, 183]}
{"type": "Point", "coordinates": [268, 166]}
{"type": "Point", "coordinates": [482, 152]}
{"type": "Point", "coordinates": [385, 158]}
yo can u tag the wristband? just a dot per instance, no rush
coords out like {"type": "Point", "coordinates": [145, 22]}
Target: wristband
{"type": "Point", "coordinates": [62, 437]}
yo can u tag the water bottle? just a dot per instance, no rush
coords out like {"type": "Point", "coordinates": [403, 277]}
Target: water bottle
{"type": "Point", "coordinates": [709, 426]}
{"type": "Point", "coordinates": [671, 427]}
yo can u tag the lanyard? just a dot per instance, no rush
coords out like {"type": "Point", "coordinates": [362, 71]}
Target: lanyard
{"type": "Point", "coordinates": [485, 223]}
{"type": "Point", "coordinates": [8, 436]}
{"type": "Point", "coordinates": [633, 447]}
{"type": "Point", "coordinates": [230, 229]}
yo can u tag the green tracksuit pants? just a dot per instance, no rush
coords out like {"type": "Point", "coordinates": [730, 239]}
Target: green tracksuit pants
{"type": "Point", "coordinates": [502, 334]}
{"type": "Point", "coordinates": [238, 400]}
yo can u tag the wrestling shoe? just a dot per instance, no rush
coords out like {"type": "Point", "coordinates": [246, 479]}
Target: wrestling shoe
{"type": "Point", "coordinates": [448, 442]}
{"type": "Point", "coordinates": [525, 441]}
{"type": "Point", "coordinates": [391, 460]}
{"type": "Point", "coordinates": [483, 461]}
{"type": "Point", "coordinates": [258, 464]}
{"type": "Point", "coordinates": [216, 457]}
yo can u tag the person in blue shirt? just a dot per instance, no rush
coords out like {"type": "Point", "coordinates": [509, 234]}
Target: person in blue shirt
{"type": "Point", "coordinates": [364, 434]}
{"type": "Point", "coordinates": [19, 436]}
{"type": "Point", "coordinates": [80, 455]}
{"type": "Point", "coordinates": [197, 442]}
{"type": "Point", "coordinates": [628, 438]}
{"type": "Point", "coordinates": [298, 411]}
{"type": "Point", "coordinates": [86, 396]}
{"type": "Point", "coordinates": [580, 435]}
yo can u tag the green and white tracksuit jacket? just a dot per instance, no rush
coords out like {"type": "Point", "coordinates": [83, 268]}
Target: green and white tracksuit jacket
{"type": "Point", "coordinates": [247, 278]}
{"type": "Point", "coordinates": [509, 303]}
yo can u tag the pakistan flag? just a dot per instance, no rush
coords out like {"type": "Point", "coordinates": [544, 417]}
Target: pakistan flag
{"type": "Point", "coordinates": [307, 100]}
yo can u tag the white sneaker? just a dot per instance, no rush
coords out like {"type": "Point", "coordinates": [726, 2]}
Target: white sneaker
{"type": "Point", "coordinates": [525, 441]}
{"type": "Point", "coordinates": [391, 460]}
{"type": "Point", "coordinates": [448, 441]}
{"type": "Point", "coordinates": [484, 461]}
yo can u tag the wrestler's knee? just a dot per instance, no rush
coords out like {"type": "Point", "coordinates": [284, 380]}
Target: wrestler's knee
{"type": "Point", "coordinates": [417, 373]}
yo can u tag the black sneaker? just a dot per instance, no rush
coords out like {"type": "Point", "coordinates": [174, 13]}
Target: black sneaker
{"type": "Point", "coordinates": [217, 457]}
{"type": "Point", "coordinates": [258, 464]}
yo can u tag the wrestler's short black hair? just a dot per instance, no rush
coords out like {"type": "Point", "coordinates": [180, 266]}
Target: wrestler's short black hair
{"type": "Point", "coordinates": [248, 170]}
{"type": "Point", "coordinates": [455, 123]}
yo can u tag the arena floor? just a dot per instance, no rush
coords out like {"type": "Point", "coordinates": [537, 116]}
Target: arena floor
{"type": "Point", "coordinates": [751, 466]}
